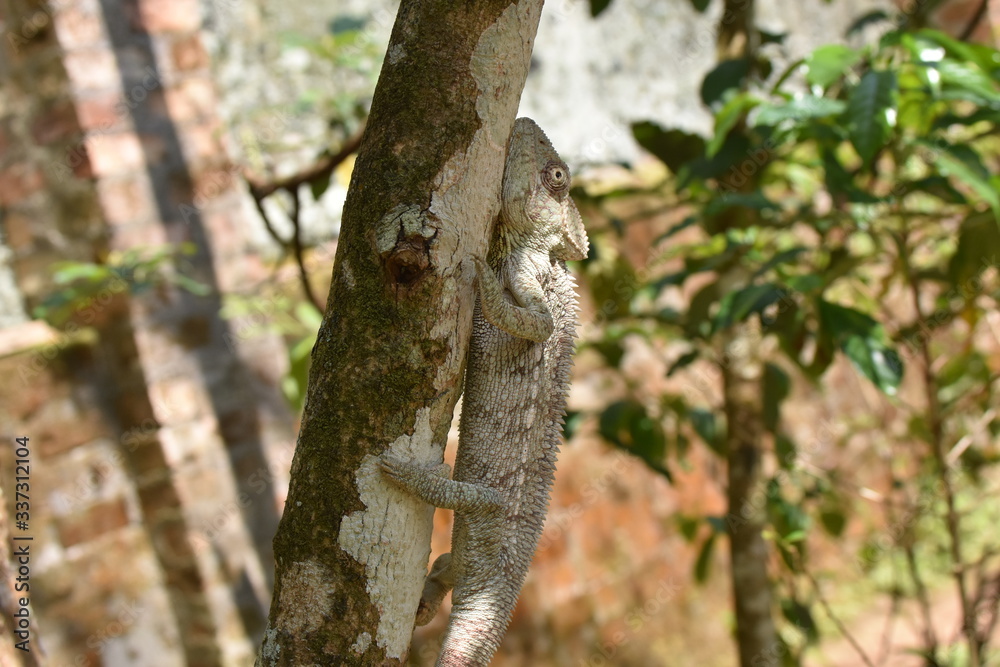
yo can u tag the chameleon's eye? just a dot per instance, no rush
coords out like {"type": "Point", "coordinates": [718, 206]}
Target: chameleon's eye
{"type": "Point", "coordinates": [555, 176]}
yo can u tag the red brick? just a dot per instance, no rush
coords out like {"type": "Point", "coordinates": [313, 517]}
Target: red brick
{"type": "Point", "coordinates": [188, 53]}
{"type": "Point", "coordinates": [92, 69]}
{"type": "Point", "coordinates": [115, 153]}
{"type": "Point", "coordinates": [18, 182]}
{"type": "Point", "coordinates": [102, 112]}
{"type": "Point", "coordinates": [55, 123]}
{"type": "Point", "coordinates": [167, 15]}
{"type": "Point", "coordinates": [192, 98]}
{"type": "Point", "coordinates": [96, 521]}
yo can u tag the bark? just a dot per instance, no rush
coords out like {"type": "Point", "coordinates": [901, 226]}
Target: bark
{"type": "Point", "coordinates": [741, 376]}
{"type": "Point", "coordinates": [351, 552]}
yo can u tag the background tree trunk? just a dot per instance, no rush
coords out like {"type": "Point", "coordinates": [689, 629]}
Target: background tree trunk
{"type": "Point", "coordinates": [351, 552]}
{"type": "Point", "coordinates": [752, 601]}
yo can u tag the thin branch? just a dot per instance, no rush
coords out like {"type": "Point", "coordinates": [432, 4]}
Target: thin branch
{"type": "Point", "coordinates": [297, 250]}
{"type": "Point", "coordinates": [260, 189]}
{"type": "Point", "coordinates": [967, 439]}
{"type": "Point", "coordinates": [890, 626]}
{"type": "Point", "coordinates": [323, 168]}
{"type": "Point", "coordinates": [836, 620]}
{"type": "Point", "coordinates": [974, 21]}
{"type": "Point", "coordinates": [935, 423]}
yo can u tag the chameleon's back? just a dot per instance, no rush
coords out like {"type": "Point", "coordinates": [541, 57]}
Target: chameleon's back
{"type": "Point", "coordinates": [517, 375]}
{"type": "Point", "coordinates": [512, 415]}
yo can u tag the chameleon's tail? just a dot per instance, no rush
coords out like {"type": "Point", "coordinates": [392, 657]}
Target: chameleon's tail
{"type": "Point", "coordinates": [474, 634]}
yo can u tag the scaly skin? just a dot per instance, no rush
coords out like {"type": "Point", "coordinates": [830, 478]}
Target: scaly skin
{"type": "Point", "coordinates": [517, 375]}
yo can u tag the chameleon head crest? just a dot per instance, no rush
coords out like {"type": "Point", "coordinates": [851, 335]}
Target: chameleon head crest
{"type": "Point", "coordinates": [536, 191]}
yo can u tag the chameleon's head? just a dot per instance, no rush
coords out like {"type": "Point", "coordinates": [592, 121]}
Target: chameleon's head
{"type": "Point", "coordinates": [536, 202]}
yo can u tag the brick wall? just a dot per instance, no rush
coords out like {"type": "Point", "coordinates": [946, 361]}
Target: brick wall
{"type": "Point", "coordinates": [163, 445]}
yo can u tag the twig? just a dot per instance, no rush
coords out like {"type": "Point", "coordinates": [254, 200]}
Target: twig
{"type": "Point", "coordinates": [297, 250]}
{"type": "Point", "coordinates": [936, 427]}
{"type": "Point", "coordinates": [890, 625]}
{"type": "Point", "coordinates": [974, 21]}
{"type": "Point", "coordinates": [260, 188]}
{"type": "Point", "coordinates": [967, 439]}
{"type": "Point", "coordinates": [836, 621]}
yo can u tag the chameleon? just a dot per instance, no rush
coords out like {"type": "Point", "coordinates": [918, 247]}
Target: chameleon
{"type": "Point", "coordinates": [516, 378]}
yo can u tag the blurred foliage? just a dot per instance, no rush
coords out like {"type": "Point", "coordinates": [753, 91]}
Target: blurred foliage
{"type": "Point", "coordinates": [82, 289]}
{"type": "Point", "coordinates": [281, 313]}
{"type": "Point", "coordinates": [850, 207]}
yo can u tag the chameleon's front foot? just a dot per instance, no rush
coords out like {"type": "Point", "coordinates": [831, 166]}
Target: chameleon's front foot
{"type": "Point", "coordinates": [403, 472]}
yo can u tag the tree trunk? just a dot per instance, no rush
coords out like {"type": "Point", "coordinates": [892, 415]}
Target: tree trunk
{"type": "Point", "coordinates": [741, 377]}
{"type": "Point", "coordinates": [351, 551]}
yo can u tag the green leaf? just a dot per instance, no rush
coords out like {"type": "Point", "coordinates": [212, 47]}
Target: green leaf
{"type": "Point", "coordinates": [68, 272]}
{"type": "Point", "coordinates": [708, 429]}
{"type": "Point", "coordinates": [725, 76]}
{"type": "Point", "coordinates": [801, 617]}
{"type": "Point", "coordinates": [674, 229]}
{"type": "Point", "coordinates": [986, 58]}
{"type": "Point", "coordinates": [571, 424]}
{"type": "Point", "coordinates": [724, 201]}
{"type": "Point", "coordinates": [684, 360]}
{"type": "Point", "coordinates": [867, 105]}
{"type": "Point", "coordinates": [704, 559]}
{"type": "Point", "coordinates": [626, 425]}
{"type": "Point", "coordinates": [785, 450]}
{"type": "Point", "coordinates": [700, 5]}
{"type": "Point", "coordinates": [688, 526]}
{"type": "Point", "coordinates": [783, 257]}
{"type": "Point", "coordinates": [967, 78]}
{"type": "Point", "coordinates": [775, 387]}
{"type": "Point", "coordinates": [964, 166]}
{"type": "Point", "coordinates": [731, 113]}
{"type": "Point", "coordinates": [833, 520]}
{"type": "Point", "coordinates": [862, 339]}
{"type": "Point", "coordinates": [799, 109]}
{"type": "Point", "coordinates": [319, 185]}
{"type": "Point", "coordinates": [698, 324]}
{"type": "Point", "coordinates": [611, 350]}
{"type": "Point", "coordinates": [718, 524]}
{"type": "Point", "coordinates": [828, 63]}
{"type": "Point", "coordinates": [738, 305]}
{"type": "Point", "coordinates": [838, 181]}
{"type": "Point", "coordinates": [307, 314]}
{"type": "Point", "coordinates": [191, 285]}
{"type": "Point", "coordinates": [674, 148]}
{"type": "Point", "coordinates": [978, 248]}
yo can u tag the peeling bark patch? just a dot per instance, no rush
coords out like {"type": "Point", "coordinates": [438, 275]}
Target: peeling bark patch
{"type": "Point", "coordinates": [305, 598]}
{"type": "Point", "coordinates": [361, 644]}
{"type": "Point", "coordinates": [403, 240]}
{"type": "Point", "coordinates": [391, 538]}
{"type": "Point", "coordinates": [270, 649]}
